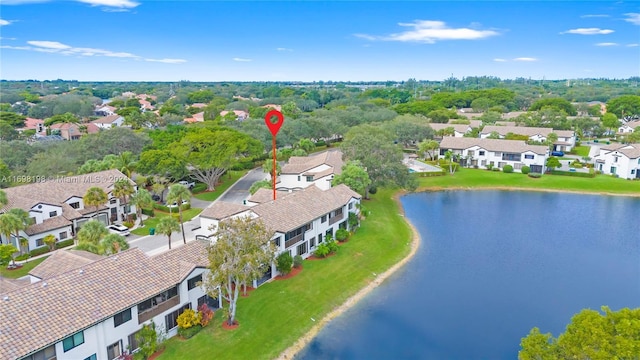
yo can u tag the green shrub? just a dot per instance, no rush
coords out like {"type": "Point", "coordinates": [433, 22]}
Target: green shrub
{"type": "Point", "coordinates": [148, 212]}
{"type": "Point", "coordinates": [297, 261]}
{"type": "Point", "coordinates": [128, 224]}
{"type": "Point", "coordinates": [64, 243]}
{"type": "Point", "coordinates": [525, 170]}
{"type": "Point", "coordinates": [507, 169]}
{"type": "Point", "coordinates": [322, 250]}
{"type": "Point", "coordinates": [22, 257]}
{"type": "Point", "coordinates": [535, 175]}
{"type": "Point", "coordinates": [495, 169]}
{"type": "Point", "coordinates": [200, 187]}
{"type": "Point", "coordinates": [572, 173]}
{"type": "Point", "coordinates": [39, 251]}
{"type": "Point", "coordinates": [489, 167]}
{"type": "Point", "coordinates": [284, 262]}
{"type": "Point", "coordinates": [165, 208]}
{"type": "Point", "coordinates": [373, 189]}
{"type": "Point", "coordinates": [342, 234]}
{"type": "Point", "coordinates": [353, 220]}
{"type": "Point", "coordinates": [332, 245]}
{"type": "Point", "coordinates": [320, 143]}
{"type": "Point", "coordinates": [189, 332]}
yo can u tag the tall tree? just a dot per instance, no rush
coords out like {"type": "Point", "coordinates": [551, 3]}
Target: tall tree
{"type": "Point", "coordinates": [141, 199]}
{"type": "Point", "coordinates": [122, 189]}
{"type": "Point", "coordinates": [374, 149]}
{"type": "Point", "coordinates": [179, 193]}
{"type": "Point", "coordinates": [211, 152]}
{"type": "Point", "coordinates": [90, 235]}
{"type": "Point", "coordinates": [610, 121]}
{"type": "Point", "coordinates": [8, 222]}
{"type": "Point", "coordinates": [238, 256]}
{"type": "Point", "coordinates": [167, 226]}
{"type": "Point", "coordinates": [624, 106]}
{"type": "Point", "coordinates": [95, 196]}
{"type": "Point", "coordinates": [21, 222]}
{"type": "Point", "coordinates": [428, 147]}
{"type": "Point", "coordinates": [354, 176]}
{"type": "Point", "coordinates": [112, 244]}
{"type": "Point", "coordinates": [125, 162]}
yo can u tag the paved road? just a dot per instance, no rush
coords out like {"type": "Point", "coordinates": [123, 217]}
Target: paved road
{"type": "Point", "coordinates": [153, 244]}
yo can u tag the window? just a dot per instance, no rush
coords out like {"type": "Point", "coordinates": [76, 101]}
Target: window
{"type": "Point", "coordinates": [613, 169]}
{"type": "Point", "coordinates": [75, 205]}
{"type": "Point", "coordinates": [114, 350]}
{"type": "Point", "coordinates": [193, 282]}
{"type": "Point", "coordinates": [319, 238]}
{"type": "Point", "coordinates": [121, 318]}
{"type": "Point", "coordinates": [633, 171]}
{"type": "Point", "coordinates": [323, 219]}
{"type": "Point", "coordinates": [133, 342]}
{"type": "Point", "coordinates": [63, 235]}
{"type": "Point", "coordinates": [298, 177]}
{"type": "Point", "coordinates": [73, 341]}
{"type": "Point", "coordinates": [329, 232]}
{"type": "Point", "coordinates": [615, 159]}
{"type": "Point", "coordinates": [498, 154]}
{"type": "Point", "coordinates": [277, 241]}
{"type": "Point", "coordinates": [517, 166]}
{"type": "Point", "coordinates": [113, 201]}
{"type": "Point", "coordinates": [53, 213]}
{"type": "Point", "coordinates": [302, 248]}
{"type": "Point", "coordinates": [481, 152]}
{"type": "Point", "coordinates": [471, 152]}
{"type": "Point", "coordinates": [350, 205]}
{"type": "Point", "coordinates": [309, 178]}
{"type": "Point", "coordinates": [45, 354]}
{"type": "Point", "coordinates": [312, 242]}
{"type": "Point", "coordinates": [528, 156]}
{"type": "Point", "coordinates": [33, 220]}
{"type": "Point", "coordinates": [483, 163]}
{"type": "Point", "coordinates": [92, 357]}
{"type": "Point", "coordinates": [40, 242]}
{"type": "Point", "coordinates": [171, 320]}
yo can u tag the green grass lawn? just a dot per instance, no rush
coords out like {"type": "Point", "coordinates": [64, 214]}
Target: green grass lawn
{"type": "Point", "coordinates": [226, 181]}
{"type": "Point", "coordinates": [152, 222]}
{"type": "Point", "coordinates": [24, 270]}
{"type": "Point", "coordinates": [276, 314]}
{"type": "Point", "coordinates": [581, 150]}
{"type": "Point", "coordinates": [475, 178]}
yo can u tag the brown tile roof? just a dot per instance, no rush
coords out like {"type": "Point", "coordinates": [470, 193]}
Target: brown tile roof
{"type": "Point", "coordinates": [223, 209]}
{"type": "Point", "coordinates": [46, 312]}
{"type": "Point", "coordinates": [8, 285]}
{"type": "Point", "coordinates": [496, 145]}
{"type": "Point", "coordinates": [56, 222]}
{"type": "Point", "coordinates": [62, 261]}
{"type": "Point", "coordinates": [301, 207]}
{"type": "Point", "coordinates": [301, 164]}
{"type": "Point", "coordinates": [265, 195]}
{"type": "Point", "coordinates": [632, 151]}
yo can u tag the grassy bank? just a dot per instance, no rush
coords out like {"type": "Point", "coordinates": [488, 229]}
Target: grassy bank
{"type": "Point", "coordinates": [474, 178]}
{"type": "Point", "coordinates": [153, 222]}
{"type": "Point", "coordinates": [275, 315]}
{"type": "Point", "coordinates": [24, 270]}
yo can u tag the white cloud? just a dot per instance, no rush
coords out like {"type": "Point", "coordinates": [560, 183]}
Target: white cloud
{"type": "Point", "coordinates": [284, 49]}
{"type": "Point", "coordinates": [607, 44]}
{"type": "Point", "coordinates": [429, 32]}
{"type": "Point", "coordinates": [632, 45]}
{"type": "Point", "coordinates": [499, 60]}
{"type": "Point", "coordinates": [633, 18]}
{"type": "Point", "coordinates": [241, 59]}
{"type": "Point", "coordinates": [4, 22]}
{"type": "Point", "coordinates": [594, 16]}
{"type": "Point", "coordinates": [588, 31]}
{"type": "Point", "coordinates": [125, 4]}
{"type": "Point", "coordinates": [525, 59]}
{"type": "Point", "coordinates": [64, 49]}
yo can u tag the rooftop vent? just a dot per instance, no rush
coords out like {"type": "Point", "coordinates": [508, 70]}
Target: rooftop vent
{"type": "Point", "coordinates": [6, 298]}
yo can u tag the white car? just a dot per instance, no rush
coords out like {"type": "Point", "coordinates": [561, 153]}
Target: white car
{"type": "Point", "coordinates": [119, 229]}
{"type": "Point", "coordinates": [187, 184]}
{"type": "Point", "coordinates": [176, 204]}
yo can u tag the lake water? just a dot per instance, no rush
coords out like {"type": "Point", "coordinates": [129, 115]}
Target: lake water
{"type": "Point", "coordinates": [492, 265]}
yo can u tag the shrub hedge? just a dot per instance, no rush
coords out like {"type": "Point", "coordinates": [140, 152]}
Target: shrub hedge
{"type": "Point", "coordinates": [573, 173]}
{"type": "Point", "coordinates": [64, 243]}
{"type": "Point", "coordinates": [525, 170]}
{"type": "Point", "coordinates": [507, 169]}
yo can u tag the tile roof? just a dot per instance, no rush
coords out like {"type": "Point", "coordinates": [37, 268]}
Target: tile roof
{"type": "Point", "coordinates": [302, 164]}
{"type": "Point", "coordinates": [632, 151]}
{"type": "Point", "coordinates": [62, 261]}
{"type": "Point", "coordinates": [107, 119]}
{"type": "Point", "coordinates": [45, 312]}
{"type": "Point", "coordinates": [8, 285]}
{"type": "Point", "coordinates": [265, 195]}
{"type": "Point", "coordinates": [302, 207]}
{"type": "Point", "coordinates": [496, 145]}
{"type": "Point", "coordinates": [223, 209]}
{"type": "Point", "coordinates": [520, 130]}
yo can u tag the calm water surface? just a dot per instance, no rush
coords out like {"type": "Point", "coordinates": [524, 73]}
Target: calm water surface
{"type": "Point", "coordinates": [492, 265]}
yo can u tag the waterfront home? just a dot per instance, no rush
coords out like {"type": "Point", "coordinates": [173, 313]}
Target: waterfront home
{"type": "Point", "coordinates": [303, 171]}
{"type": "Point", "coordinates": [566, 138]}
{"type": "Point", "coordinates": [300, 221]}
{"type": "Point", "coordinates": [93, 310]}
{"type": "Point", "coordinates": [621, 160]}
{"type": "Point", "coordinates": [56, 207]}
{"type": "Point", "coordinates": [107, 122]}
{"type": "Point", "coordinates": [483, 153]}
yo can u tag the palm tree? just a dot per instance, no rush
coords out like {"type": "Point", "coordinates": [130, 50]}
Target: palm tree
{"type": "Point", "coordinates": [7, 224]}
{"type": "Point", "coordinates": [95, 196]}
{"type": "Point", "coordinates": [24, 243]}
{"type": "Point", "coordinates": [179, 193]}
{"type": "Point", "coordinates": [167, 226]}
{"type": "Point", "coordinates": [50, 240]}
{"type": "Point", "coordinates": [113, 244]}
{"type": "Point", "coordinates": [22, 223]}
{"type": "Point", "coordinates": [141, 199]}
{"type": "Point", "coordinates": [90, 235]}
{"type": "Point", "coordinates": [122, 188]}
{"type": "Point", "coordinates": [125, 163]}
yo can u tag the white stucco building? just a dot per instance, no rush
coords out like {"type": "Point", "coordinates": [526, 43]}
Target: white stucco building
{"type": "Point", "coordinates": [497, 153]}
{"type": "Point", "coordinates": [303, 171]}
{"type": "Point", "coordinates": [621, 160]}
{"type": "Point", "coordinates": [566, 138]}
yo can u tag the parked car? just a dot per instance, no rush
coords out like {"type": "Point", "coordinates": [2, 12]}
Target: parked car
{"type": "Point", "coordinates": [118, 229]}
{"type": "Point", "coordinates": [557, 153]}
{"type": "Point", "coordinates": [176, 204]}
{"type": "Point", "coordinates": [188, 184]}
{"type": "Point", "coordinates": [155, 197]}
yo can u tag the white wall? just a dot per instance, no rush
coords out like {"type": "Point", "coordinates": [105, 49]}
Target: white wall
{"type": "Point", "coordinates": [623, 166]}
{"type": "Point", "coordinates": [494, 157]}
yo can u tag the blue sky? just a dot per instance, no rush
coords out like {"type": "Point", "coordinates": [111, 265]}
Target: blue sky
{"type": "Point", "coordinates": [139, 40]}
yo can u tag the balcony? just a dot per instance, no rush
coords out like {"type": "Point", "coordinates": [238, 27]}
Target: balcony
{"type": "Point", "coordinates": [293, 240]}
{"type": "Point", "coordinates": [336, 218]}
{"type": "Point", "coordinates": [158, 309]}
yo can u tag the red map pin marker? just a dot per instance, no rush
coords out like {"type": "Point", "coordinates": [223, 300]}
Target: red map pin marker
{"type": "Point", "coordinates": [274, 127]}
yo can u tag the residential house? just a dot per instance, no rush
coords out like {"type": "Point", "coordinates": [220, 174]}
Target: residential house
{"type": "Point", "coordinates": [198, 117]}
{"type": "Point", "coordinates": [93, 310]}
{"type": "Point", "coordinates": [107, 122]}
{"type": "Point", "coordinates": [629, 127]}
{"type": "Point", "coordinates": [303, 171]}
{"type": "Point", "coordinates": [481, 153]}
{"type": "Point", "coordinates": [458, 129]}
{"type": "Point", "coordinates": [146, 105]}
{"type": "Point", "coordinates": [621, 160]}
{"type": "Point", "coordinates": [73, 131]}
{"type": "Point", "coordinates": [239, 114]}
{"type": "Point", "coordinates": [566, 138]}
{"type": "Point", "coordinates": [265, 195]}
{"type": "Point", "coordinates": [34, 124]}
{"type": "Point", "coordinates": [273, 106]}
{"type": "Point", "coordinates": [56, 207]}
{"type": "Point", "coordinates": [105, 110]}
{"type": "Point", "coordinates": [300, 220]}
